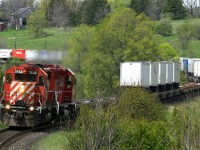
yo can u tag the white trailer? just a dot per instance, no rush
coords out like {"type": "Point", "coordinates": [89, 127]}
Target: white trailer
{"type": "Point", "coordinates": [169, 72]}
{"type": "Point", "coordinates": [162, 73]}
{"type": "Point", "coordinates": [135, 74]}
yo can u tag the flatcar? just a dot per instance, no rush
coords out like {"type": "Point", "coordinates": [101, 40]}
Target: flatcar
{"type": "Point", "coordinates": [35, 94]}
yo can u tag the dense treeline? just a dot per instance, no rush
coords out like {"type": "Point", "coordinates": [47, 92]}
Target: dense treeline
{"type": "Point", "coordinates": [64, 13]}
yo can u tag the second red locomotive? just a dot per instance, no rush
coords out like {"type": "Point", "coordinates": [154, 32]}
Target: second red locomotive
{"type": "Point", "coordinates": [35, 94]}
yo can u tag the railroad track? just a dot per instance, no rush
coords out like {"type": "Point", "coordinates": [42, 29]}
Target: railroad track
{"type": "Point", "coordinates": [10, 136]}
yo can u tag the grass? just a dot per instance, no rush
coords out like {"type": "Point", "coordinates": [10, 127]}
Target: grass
{"type": "Point", "coordinates": [55, 40]}
{"type": "Point", "coordinates": [2, 126]}
{"type": "Point", "coordinates": [55, 141]}
{"type": "Point", "coordinates": [194, 45]}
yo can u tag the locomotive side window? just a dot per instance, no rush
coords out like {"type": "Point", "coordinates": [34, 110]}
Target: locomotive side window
{"type": "Point", "coordinates": [68, 81]}
{"type": "Point", "coordinates": [8, 78]}
{"type": "Point", "coordinates": [41, 81]}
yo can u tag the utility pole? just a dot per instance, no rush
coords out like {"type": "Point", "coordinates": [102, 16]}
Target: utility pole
{"type": "Point", "coordinates": [15, 43]}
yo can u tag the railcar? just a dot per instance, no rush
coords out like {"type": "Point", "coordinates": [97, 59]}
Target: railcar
{"type": "Point", "coordinates": [35, 94]}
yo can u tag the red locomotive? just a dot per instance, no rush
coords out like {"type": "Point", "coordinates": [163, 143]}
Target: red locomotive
{"type": "Point", "coordinates": [35, 94]}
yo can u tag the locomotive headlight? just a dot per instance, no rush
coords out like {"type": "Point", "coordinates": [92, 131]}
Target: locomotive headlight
{"type": "Point", "coordinates": [31, 108]}
{"type": "Point", "coordinates": [22, 88]}
{"type": "Point", "coordinates": [7, 106]}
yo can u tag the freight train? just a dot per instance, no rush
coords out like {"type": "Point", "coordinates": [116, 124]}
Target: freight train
{"type": "Point", "coordinates": [154, 76]}
{"type": "Point", "coordinates": [32, 56]}
{"type": "Point", "coordinates": [191, 67]}
{"type": "Point", "coordinates": [36, 94]}
{"type": "Point", "coordinates": [163, 78]}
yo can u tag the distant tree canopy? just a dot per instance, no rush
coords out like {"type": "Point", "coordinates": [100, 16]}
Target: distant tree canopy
{"type": "Point", "coordinates": [92, 11]}
{"type": "Point", "coordinates": [175, 8]}
{"type": "Point", "coordinates": [139, 6]}
{"type": "Point", "coordinates": [63, 13]}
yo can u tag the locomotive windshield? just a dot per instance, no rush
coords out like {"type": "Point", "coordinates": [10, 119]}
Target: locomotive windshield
{"type": "Point", "coordinates": [25, 77]}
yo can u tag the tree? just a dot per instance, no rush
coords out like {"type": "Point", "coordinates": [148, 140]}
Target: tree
{"type": "Point", "coordinates": [123, 36]}
{"type": "Point", "coordinates": [138, 104]}
{"type": "Point", "coordinates": [92, 11]}
{"type": "Point", "coordinates": [167, 52]}
{"type": "Point", "coordinates": [155, 9]}
{"type": "Point", "coordinates": [139, 6]}
{"type": "Point", "coordinates": [184, 33]}
{"type": "Point", "coordinates": [192, 8]}
{"type": "Point", "coordinates": [36, 23]}
{"type": "Point", "coordinates": [175, 8]}
{"type": "Point", "coordinates": [60, 14]}
{"type": "Point", "coordinates": [196, 31]}
{"type": "Point", "coordinates": [78, 49]}
{"type": "Point", "coordinates": [135, 120]}
{"type": "Point", "coordinates": [116, 4]}
{"type": "Point", "coordinates": [164, 27]}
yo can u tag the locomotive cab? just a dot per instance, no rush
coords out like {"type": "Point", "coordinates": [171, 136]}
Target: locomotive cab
{"type": "Point", "coordinates": [36, 94]}
{"type": "Point", "coordinates": [24, 92]}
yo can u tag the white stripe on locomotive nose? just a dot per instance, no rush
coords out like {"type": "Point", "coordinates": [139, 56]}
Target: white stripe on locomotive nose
{"type": "Point", "coordinates": [24, 92]}
{"type": "Point", "coordinates": [28, 91]}
{"type": "Point", "coordinates": [14, 90]}
{"type": "Point", "coordinates": [18, 92]}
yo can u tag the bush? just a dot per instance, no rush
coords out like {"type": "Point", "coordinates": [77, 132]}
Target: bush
{"type": "Point", "coordinates": [94, 129]}
{"type": "Point", "coordinates": [184, 33]}
{"type": "Point", "coordinates": [137, 104]}
{"type": "Point", "coordinates": [144, 135]}
{"type": "Point", "coordinates": [196, 31]}
{"type": "Point", "coordinates": [164, 27]}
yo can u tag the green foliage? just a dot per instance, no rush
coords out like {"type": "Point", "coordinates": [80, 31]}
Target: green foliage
{"type": "Point", "coordinates": [164, 27]}
{"type": "Point", "coordinates": [137, 104]}
{"type": "Point", "coordinates": [36, 23]}
{"type": "Point", "coordinates": [167, 52]}
{"type": "Point", "coordinates": [123, 36]}
{"type": "Point", "coordinates": [185, 126]}
{"type": "Point", "coordinates": [135, 120]}
{"type": "Point", "coordinates": [183, 78]}
{"type": "Point", "coordinates": [175, 8]}
{"type": "Point", "coordinates": [116, 4]}
{"type": "Point", "coordinates": [78, 49]}
{"type": "Point", "coordinates": [92, 11]}
{"type": "Point", "coordinates": [196, 31]}
{"type": "Point", "coordinates": [144, 135]}
{"type": "Point", "coordinates": [139, 6]}
{"type": "Point", "coordinates": [184, 33]}
{"type": "Point", "coordinates": [1, 15]}
{"type": "Point", "coordinates": [95, 129]}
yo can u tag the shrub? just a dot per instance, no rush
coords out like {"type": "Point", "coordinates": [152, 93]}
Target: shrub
{"type": "Point", "coordinates": [164, 27]}
{"type": "Point", "coordinates": [184, 33]}
{"type": "Point", "coordinates": [137, 104]}
{"type": "Point", "coordinates": [144, 135]}
{"type": "Point", "coordinates": [196, 31]}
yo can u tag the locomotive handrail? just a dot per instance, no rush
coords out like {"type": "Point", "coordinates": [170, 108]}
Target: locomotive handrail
{"type": "Point", "coordinates": [56, 98]}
